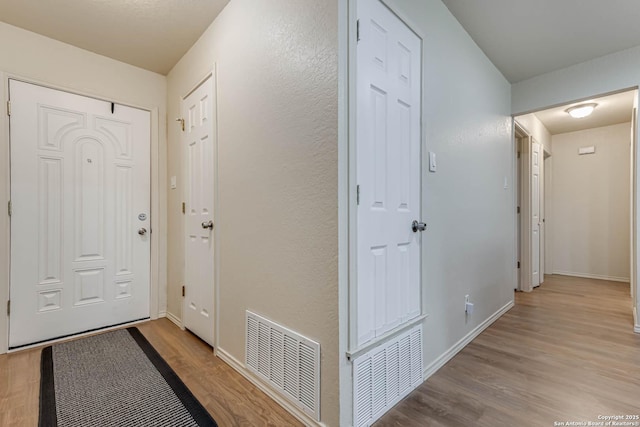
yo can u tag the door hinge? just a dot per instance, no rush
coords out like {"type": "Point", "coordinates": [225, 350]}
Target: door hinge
{"type": "Point", "coordinates": [8, 108]}
{"type": "Point", "coordinates": [357, 194]}
{"type": "Point", "coordinates": [9, 208]}
{"type": "Point", "coordinates": [518, 209]}
{"type": "Point", "coordinates": [358, 30]}
{"type": "Point", "coordinates": [183, 292]}
{"type": "Point", "coordinates": [518, 264]}
{"type": "Point", "coordinates": [8, 307]}
{"type": "Point", "coordinates": [518, 154]}
{"type": "Point", "coordinates": [184, 207]}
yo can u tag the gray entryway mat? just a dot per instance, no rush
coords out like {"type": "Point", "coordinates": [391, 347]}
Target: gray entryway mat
{"type": "Point", "coordinates": [114, 379]}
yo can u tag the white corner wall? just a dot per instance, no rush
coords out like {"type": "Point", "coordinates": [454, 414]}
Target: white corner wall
{"type": "Point", "coordinates": [40, 59]}
{"type": "Point", "coordinates": [277, 85]}
{"type": "Point", "coordinates": [591, 203]}
{"type": "Point", "coordinates": [469, 246]}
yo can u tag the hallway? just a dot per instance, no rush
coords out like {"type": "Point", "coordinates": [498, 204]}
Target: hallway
{"type": "Point", "coordinates": [565, 352]}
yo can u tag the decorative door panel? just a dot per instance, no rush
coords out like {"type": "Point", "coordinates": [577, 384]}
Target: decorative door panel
{"type": "Point", "coordinates": [80, 200]}
{"type": "Point", "coordinates": [388, 172]}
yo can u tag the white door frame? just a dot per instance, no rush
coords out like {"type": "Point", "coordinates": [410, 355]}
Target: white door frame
{"type": "Point", "coordinates": [351, 196]}
{"type": "Point", "coordinates": [524, 284]}
{"type": "Point", "coordinates": [216, 211]}
{"type": "Point", "coordinates": [347, 192]}
{"type": "Point", "coordinates": [158, 187]}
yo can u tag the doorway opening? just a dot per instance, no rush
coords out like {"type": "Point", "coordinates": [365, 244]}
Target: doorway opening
{"type": "Point", "coordinates": [575, 194]}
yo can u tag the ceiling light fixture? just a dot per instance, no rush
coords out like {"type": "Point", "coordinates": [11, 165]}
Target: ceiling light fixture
{"type": "Point", "coordinates": [582, 110]}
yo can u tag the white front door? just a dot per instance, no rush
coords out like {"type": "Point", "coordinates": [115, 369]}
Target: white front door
{"type": "Point", "coordinates": [198, 139]}
{"type": "Point", "coordinates": [388, 171]}
{"type": "Point", "coordinates": [80, 195]}
{"type": "Point", "coordinates": [535, 212]}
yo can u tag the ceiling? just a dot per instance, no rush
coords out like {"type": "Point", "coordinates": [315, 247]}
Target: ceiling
{"type": "Point", "coordinates": [527, 38]}
{"type": "Point", "coordinates": [522, 38]}
{"type": "Point", "coordinates": [151, 34]}
{"type": "Point", "coordinates": [611, 110]}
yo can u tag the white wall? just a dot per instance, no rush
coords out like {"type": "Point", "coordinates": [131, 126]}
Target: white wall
{"type": "Point", "coordinates": [277, 65]}
{"type": "Point", "coordinates": [602, 75]}
{"type": "Point", "coordinates": [469, 246]}
{"type": "Point", "coordinates": [536, 129]}
{"type": "Point", "coordinates": [591, 203]}
{"type": "Point", "coordinates": [37, 58]}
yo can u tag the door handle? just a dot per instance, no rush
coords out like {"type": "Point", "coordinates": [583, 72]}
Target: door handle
{"type": "Point", "coordinates": [418, 226]}
{"type": "Point", "coordinates": [208, 224]}
{"type": "Point", "coordinates": [142, 231]}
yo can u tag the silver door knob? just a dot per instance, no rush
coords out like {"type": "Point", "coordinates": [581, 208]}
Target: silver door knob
{"type": "Point", "coordinates": [142, 231]}
{"type": "Point", "coordinates": [208, 224]}
{"type": "Point", "coordinates": [418, 226]}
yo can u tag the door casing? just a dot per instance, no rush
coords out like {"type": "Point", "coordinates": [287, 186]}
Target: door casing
{"type": "Point", "coordinates": [351, 173]}
{"type": "Point", "coordinates": [216, 217]}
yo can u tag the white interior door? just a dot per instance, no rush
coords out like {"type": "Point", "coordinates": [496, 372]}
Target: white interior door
{"type": "Point", "coordinates": [543, 229]}
{"type": "Point", "coordinates": [199, 145]}
{"type": "Point", "coordinates": [388, 171]}
{"type": "Point", "coordinates": [536, 160]}
{"type": "Point", "coordinates": [519, 240]}
{"type": "Point", "coordinates": [80, 194]}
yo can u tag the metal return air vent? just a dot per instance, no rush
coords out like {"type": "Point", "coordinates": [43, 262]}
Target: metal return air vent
{"type": "Point", "coordinates": [386, 374]}
{"type": "Point", "coordinates": [286, 360]}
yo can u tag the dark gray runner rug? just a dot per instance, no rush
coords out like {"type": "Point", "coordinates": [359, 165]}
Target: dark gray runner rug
{"type": "Point", "coordinates": [114, 379]}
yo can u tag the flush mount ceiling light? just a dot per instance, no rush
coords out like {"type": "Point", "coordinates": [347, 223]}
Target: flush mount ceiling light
{"type": "Point", "coordinates": [582, 110]}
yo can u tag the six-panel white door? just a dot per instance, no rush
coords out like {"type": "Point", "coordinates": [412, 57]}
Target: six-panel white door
{"type": "Point", "coordinates": [388, 171]}
{"type": "Point", "coordinates": [199, 153]}
{"type": "Point", "coordinates": [80, 192]}
{"type": "Point", "coordinates": [536, 159]}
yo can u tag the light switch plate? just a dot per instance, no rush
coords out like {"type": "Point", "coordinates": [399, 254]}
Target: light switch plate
{"type": "Point", "coordinates": [432, 161]}
{"type": "Point", "coordinates": [174, 183]}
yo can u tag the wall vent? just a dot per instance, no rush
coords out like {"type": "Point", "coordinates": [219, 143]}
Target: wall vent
{"type": "Point", "coordinates": [286, 360]}
{"type": "Point", "coordinates": [385, 375]}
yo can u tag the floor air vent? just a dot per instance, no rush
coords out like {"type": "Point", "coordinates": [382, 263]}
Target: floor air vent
{"type": "Point", "coordinates": [386, 374]}
{"type": "Point", "coordinates": [286, 360]}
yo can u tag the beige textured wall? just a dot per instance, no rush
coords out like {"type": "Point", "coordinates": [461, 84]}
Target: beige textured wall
{"type": "Point", "coordinates": [591, 203]}
{"type": "Point", "coordinates": [38, 58]}
{"type": "Point", "coordinates": [277, 156]}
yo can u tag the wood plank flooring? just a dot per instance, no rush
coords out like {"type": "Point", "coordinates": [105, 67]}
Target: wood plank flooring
{"type": "Point", "coordinates": [565, 352]}
{"type": "Point", "coordinates": [229, 397]}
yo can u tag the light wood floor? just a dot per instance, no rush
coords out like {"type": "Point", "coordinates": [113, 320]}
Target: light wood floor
{"type": "Point", "coordinates": [565, 352]}
{"type": "Point", "coordinates": [229, 397]}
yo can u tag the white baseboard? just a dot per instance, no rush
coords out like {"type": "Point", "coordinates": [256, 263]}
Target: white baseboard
{"type": "Point", "coordinates": [292, 409]}
{"type": "Point", "coordinates": [593, 276]}
{"type": "Point", "coordinates": [636, 321]}
{"type": "Point", "coordinates": [175, 320]}
{"type": "Point", "coordinates": [455, 349]}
